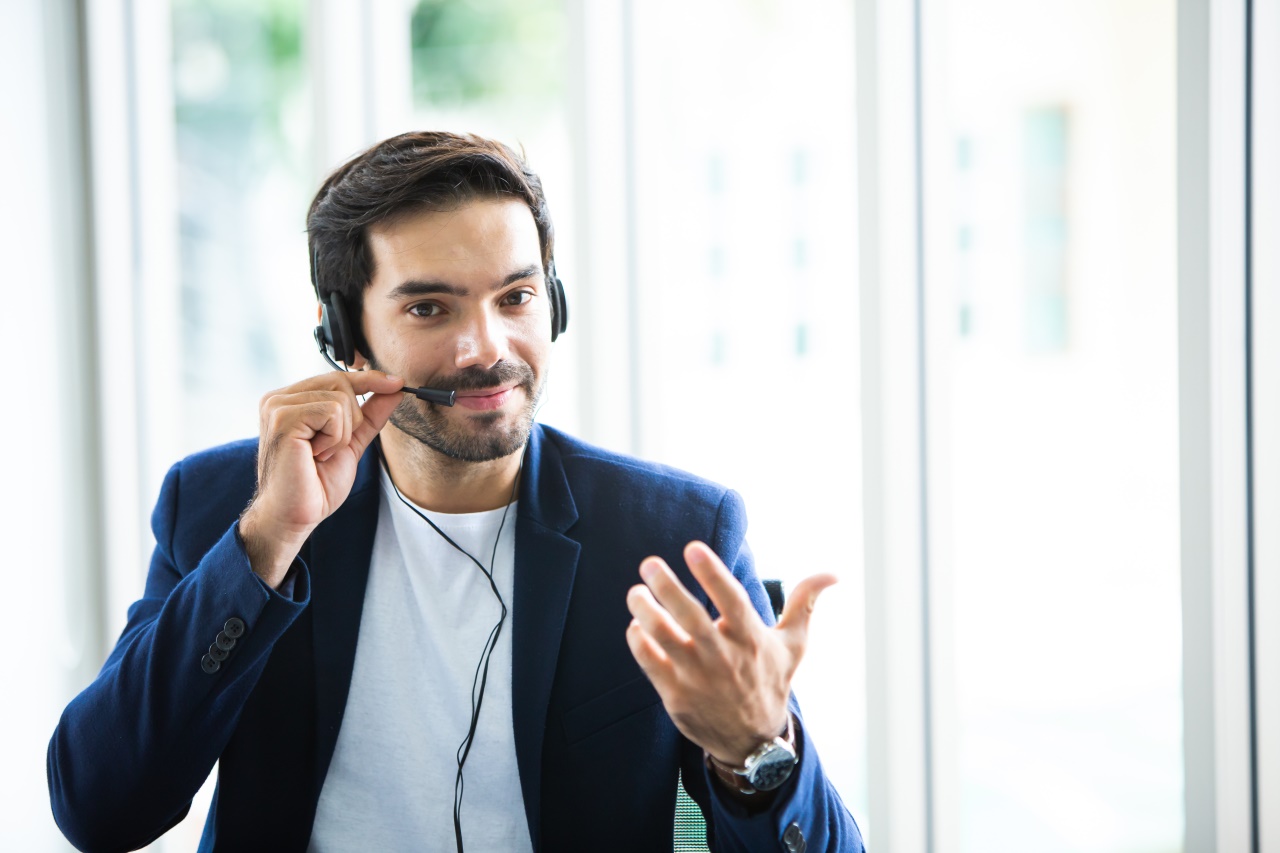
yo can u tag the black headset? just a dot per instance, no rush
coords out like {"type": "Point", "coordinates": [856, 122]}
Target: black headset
{"type": "Point", "coordinates": [338, 338]}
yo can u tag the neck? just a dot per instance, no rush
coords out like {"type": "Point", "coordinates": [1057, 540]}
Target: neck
{"type": "Point", "coordinates": [442, 484]}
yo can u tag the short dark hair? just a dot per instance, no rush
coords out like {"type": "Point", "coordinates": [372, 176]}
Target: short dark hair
{"type": "Point", "coordinates": [406, 174]}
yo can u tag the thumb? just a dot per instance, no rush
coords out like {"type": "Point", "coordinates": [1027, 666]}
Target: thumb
{"type": "Point", "coordinates": [794, 623]}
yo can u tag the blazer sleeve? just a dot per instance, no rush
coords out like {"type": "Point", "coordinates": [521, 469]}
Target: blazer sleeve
{"type": "Point", "coordinates": [806, 813]}
{"type": "Point", "coordinates": [132, 749]}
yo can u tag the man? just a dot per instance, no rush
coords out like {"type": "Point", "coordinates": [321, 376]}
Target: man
{"type": "Point", "coordinates": [402, 624]}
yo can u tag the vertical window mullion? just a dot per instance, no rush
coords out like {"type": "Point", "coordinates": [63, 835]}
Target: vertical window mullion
{"type": "Point", "coordinates": [1212, 404]}
{"type": "Point", "coordinates": [893, 425]}
{"type": "Point", "coordinates": [1264, 391]}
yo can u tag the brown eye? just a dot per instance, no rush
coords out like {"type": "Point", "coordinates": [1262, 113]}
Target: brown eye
{"type": "Point", "coordinates": [424, 309]}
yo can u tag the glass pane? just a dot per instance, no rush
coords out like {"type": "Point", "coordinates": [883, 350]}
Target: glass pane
{"type": "Point", "coordinates": [502, 57]}
{"type": "Point", "coordinates": [747, 348]}
{"type": "Point", "coordinates": [1051, 299]}
{"type": "Point", "coordinates": [243, 124]}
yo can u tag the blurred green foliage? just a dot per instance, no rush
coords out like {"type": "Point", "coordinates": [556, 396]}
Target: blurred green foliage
{"type": "Point", "coordinates": [241, 131]}
{"type": "Point", "coordinates": [238, 64]}
{"type": "Point", "coordinates": [469, 51]}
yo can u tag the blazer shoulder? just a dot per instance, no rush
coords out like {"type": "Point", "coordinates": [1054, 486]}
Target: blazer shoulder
{"type": "Point", "coordinates": [234, 454]}
{"type": "Point", "coordinates": [581, 456]}
{"type": "Point", "coordinates": [618, 485]}
{"type": "Point", "coordinates": [224, 471]}
{"type": "Point", "coordinates": [203, 494]}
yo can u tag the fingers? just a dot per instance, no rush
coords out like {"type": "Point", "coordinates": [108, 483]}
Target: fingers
{"type": "Point", "coordinates": [323, 418]}
{"type": "Point", "coordinates": [726, 684]}
{"type": "Point", "coordinates": [325, 410]}
{"type": "Point", "coordinates": [653, 661]}
{"type": "Point", "coordinates": [794, 624]}
{"type": "Point", "coordinates": [347, 384]}
{"type": "Point", "coordinates": [372, 382]}
{"type": "Point", "coordinates": [686, 610]}
{"type": "Point", "coordinates": [724, 590]}
{"type": "Point", "coordinates": [656, 621]}
{"type": "Point", "coordinates": [282, 412]}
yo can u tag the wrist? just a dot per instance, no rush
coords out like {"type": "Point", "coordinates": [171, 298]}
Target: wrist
{"type": "Point", "coordinates": [270, 556]}
{"type": "Point", "coordinates": [730, 755]}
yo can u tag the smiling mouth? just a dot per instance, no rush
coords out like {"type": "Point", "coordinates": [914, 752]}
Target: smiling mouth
{"type": "Point", "coordinates": [484, 400]}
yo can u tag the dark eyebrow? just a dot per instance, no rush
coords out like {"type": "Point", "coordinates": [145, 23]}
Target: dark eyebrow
{"type": "Point", "coordinates": [416, 287]}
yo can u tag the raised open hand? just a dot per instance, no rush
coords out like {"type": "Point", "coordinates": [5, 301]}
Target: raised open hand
{"type": "Point", "coordinates": [724, 681]}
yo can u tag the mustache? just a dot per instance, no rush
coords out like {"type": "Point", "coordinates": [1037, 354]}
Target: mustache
{"type": "Point", "coordinates": [475, 378]}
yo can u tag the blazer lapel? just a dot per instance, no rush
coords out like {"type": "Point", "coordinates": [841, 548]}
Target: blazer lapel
{"type": "Point", "coordinates": [338, 557]}
{"type": "Point", "coordinates": [546, 561]}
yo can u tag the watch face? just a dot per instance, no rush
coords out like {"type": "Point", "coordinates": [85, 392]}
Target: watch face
{"type": "Point", "coordinates": [773, 768]}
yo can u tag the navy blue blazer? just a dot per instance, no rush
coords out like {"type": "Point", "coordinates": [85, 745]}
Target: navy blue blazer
{"type": "Point", "coordinates": [597, 754]}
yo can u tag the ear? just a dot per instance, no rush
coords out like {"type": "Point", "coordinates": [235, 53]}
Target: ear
{"type": "Point", "coordinates": [319, 313]}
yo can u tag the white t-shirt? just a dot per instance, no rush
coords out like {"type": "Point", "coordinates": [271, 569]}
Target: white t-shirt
{"type": "Point", "coordinates": [427, 612]}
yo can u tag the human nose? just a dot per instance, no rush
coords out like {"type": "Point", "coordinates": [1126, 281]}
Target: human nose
{"type": "Point", "coordinates": [482, 341]}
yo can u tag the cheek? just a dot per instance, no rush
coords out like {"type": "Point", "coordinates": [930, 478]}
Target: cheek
{"type": "Point", "coordinates": [406, 346]}
{"type": "Point", "coordinates": [535, 348]}
{"type": "Point", "coordinates": [529, 337]}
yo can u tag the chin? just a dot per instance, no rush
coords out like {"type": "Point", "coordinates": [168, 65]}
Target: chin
{"type": "Point", "coordinates": [484, 438]}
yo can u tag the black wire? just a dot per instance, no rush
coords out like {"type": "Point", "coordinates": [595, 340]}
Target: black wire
{"type": "Point", "coordinates": [1250, 493]}
{"type": "Point", "coordinates": [481, 676]}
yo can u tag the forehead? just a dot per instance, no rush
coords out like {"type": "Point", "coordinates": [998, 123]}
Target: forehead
{"type": "Point", "coordinates": [480, 236]}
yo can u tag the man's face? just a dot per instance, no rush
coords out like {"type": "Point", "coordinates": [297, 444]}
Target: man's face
{"type": "Point", "coordinates": [459, 301]}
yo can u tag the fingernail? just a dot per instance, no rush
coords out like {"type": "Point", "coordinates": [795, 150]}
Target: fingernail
{"type": "Point", "coordinates": [648, 570]}
{"type": "Point", "coordinates": [394, 378]}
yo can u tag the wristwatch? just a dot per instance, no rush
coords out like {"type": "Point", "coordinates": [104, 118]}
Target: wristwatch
{"type": "Point", "coordinates": [764, 769]}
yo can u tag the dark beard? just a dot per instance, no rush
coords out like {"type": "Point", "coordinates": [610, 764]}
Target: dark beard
{"type": "Point", "coordinates": [488, 440]}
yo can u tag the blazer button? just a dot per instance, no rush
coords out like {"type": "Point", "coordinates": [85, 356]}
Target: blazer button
{"type": "Point", "coordinates": [793, 839]}
{"type": "Point", "coordinates": [234, 628]}
{"type": "Point", "coordinates": [224, 642]}
{"type": "Point", "coordinates": [217, 654]}
{"type": "Point", "coordinates": [209, 665]}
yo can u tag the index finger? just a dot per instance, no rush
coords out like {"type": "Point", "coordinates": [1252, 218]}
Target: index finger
{"type": "Point", "coordinates": [352, 382]}
{"type": "Point", "coordinates": [373, 382]}
{"type": "Point", "coordinates": [686, 610]}
{"type": "Point", "coordinates": [724, 590]}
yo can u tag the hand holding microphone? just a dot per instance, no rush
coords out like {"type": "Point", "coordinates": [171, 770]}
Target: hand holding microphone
{"type": "Point", "coordinates": [311, 437]}
{"type": "Point", "coordinates": [439, 396]}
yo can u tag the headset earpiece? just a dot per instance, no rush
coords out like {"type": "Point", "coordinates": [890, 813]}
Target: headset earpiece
{"type": "Point", "coordinates": [333, 335]}
{"type": "Point", "coordinates": [334, 332]}
{"type": "Point", "coordinates": [559, 306]}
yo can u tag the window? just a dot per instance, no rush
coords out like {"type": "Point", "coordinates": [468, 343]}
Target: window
{"type": "Point", "coordinates": [1051, 292]}
{"type": "Point", "coordinates": [242, 121]}
{"type": "Point", "coordinates": [746, 304]}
